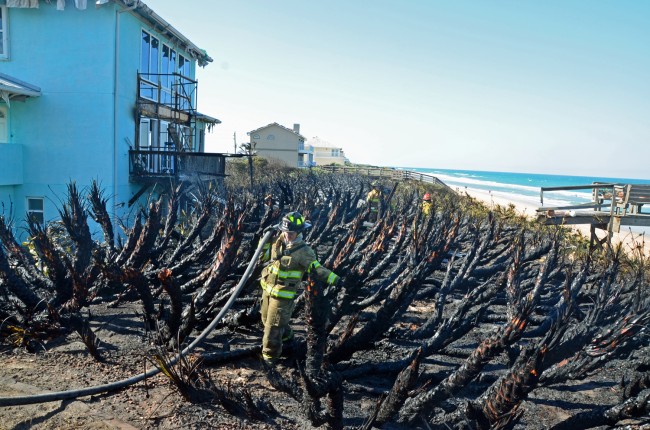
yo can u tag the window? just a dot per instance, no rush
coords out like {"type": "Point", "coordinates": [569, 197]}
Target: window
{"type": "Point", "coordinates": [184, 90]}
{"type": "Point", "coordinates": [184, 66]}
{"type": "Point", "coordinates": [168, 67]}
{"type": "Point", "coordinates": [149, 66]}
{"type": "Point", "coordinates": [4, 48]}
{"type": "Point", "coordinates": [35, 209]}
{"type": "Point", "coordinates": [336, 152]}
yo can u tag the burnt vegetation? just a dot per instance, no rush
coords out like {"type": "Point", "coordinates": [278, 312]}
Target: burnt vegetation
{"type": "Point", "coordinates": [461, 319]}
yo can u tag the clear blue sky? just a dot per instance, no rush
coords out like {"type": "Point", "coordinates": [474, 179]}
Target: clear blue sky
{"type": "Point", "coordinates": [559, 86]}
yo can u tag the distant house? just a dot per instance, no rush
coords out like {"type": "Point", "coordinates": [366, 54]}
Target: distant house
{"type": "Point", "coordinates": [283, 144]}
{"type": "Point", "coordinates": [106, 92]}
{"type": "Point", "coordinates": [324, 155]}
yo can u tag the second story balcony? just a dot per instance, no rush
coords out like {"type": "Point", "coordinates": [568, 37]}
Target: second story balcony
{"type": "Point", "coordinates": [305, 149]}
{"type": "Point", "coordinates": [157, 164]}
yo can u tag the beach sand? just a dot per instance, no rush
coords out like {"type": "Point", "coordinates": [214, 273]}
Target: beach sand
{"type": "Point", "coordinates": [527, 207]}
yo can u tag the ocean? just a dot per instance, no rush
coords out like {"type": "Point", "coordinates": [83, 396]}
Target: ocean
{"type": "Point", "coordinates": [524, 186]}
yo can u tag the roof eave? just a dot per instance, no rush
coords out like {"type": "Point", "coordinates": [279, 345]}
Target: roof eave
{"type": "Point", "coordinates": [147, 13]}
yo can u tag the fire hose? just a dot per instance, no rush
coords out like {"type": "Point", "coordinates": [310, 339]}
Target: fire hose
{"type": "Point", "coordinates": [81, 392]}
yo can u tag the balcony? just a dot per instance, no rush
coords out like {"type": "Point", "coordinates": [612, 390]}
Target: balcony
{"type": "Point", "coordinates": [148, 166]}
{"type": "Point", "coordinates": [305, 149]}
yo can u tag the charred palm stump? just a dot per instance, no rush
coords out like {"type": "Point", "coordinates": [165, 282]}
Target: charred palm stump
{"type": "Point", "coordinates": [427, 329]}
{"type": "Point", "coordinates": [399, 298]}
{"type": "Point", "coordinates": [635, 407]}
{"type": "Point", "coordinates": [74, 217]}
{"type": "Point", "coordinates": [317, 309]}
{"type": "Point", "coordinates": [401, 242]}
{"type": "Point", "coordinates": [219, 271]}
{"type": "Point", "coordinates": [467, 316]}
{"type": "Point", "coordinates": [18, 286]}
{"type": "Point", "coordinates": [345, 246]}
{"type": "Point", "coordinates": [333, 219]}
{"type": "Point", "coordinates": [581, 335]}
{"type": "Point", "coordinates": [132, 236]}
{"type": "Point", "coordinates": [317, 378]}
{"type": "Point", "coordinates": [513, 284]}
{"type": "Point", "coordinates": [350, 289]}
{"type": "Point", "coordinates": [638, 377]}
{"type": "Point", "coordinates": [616, 341]}
{"type": "Point", "coordinates": [171, 221]}
{"type": "Point", "coordinates": [397, 395]}
{"type": "Point", "coordinates": [147, 238]}
{"type": "Point", "coordinates": [82, 270]}
{"type": "Point", "coordinates": [55, 262]}
{"type": "Point", "coordinates": [187, 245]}
{"type": "Point", "coordinates": [170, 324]}
{"type": "Point", "coordinates": [22, 262]}
{"type": "Point", "coordinates": [81, 325]}
{"type": "Point", "coordinates": [201, 257]}
{"type": "Point", "coordinates": [486, 351]}
{"type": "Point", "coordinates": [100, 215]}
{"type": "Point", "coordinates": [498, 407]}
{"type": "Point", "coordinates": [471, 260]}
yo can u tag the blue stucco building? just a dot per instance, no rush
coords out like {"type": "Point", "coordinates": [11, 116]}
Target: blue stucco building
{"type": "Point", "coordinates": [102, 90]}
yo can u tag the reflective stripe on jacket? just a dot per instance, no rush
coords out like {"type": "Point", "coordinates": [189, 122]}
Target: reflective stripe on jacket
{"type": "Point", "coordinates": [283, 275]}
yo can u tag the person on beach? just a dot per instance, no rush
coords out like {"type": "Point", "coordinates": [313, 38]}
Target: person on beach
{"type": "Point", "coordinates": [426, 204]}
{"type": "Point", "coordinates": [373, 199]}
{"type": "Point", "coordinates": [289, 260]}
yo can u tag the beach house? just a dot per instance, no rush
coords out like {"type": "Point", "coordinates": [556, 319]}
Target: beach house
{"type": "Point", "coordinates": [282, 144]}
{"type": "Point", "coordinates": [103, 91]}
{"type": "Point", "coordinates": [325, 155]}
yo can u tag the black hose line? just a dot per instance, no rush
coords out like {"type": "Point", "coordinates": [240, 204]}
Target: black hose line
{"type": "Point", "coordinates": [81, 392]}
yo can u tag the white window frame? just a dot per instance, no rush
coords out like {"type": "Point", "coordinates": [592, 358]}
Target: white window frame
{"type": "Point", "coordinates": [4, 33]}
{"type": "Point", "coordinates": [40, 213]}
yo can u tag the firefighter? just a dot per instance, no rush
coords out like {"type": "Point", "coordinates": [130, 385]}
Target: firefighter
{"type": "Point", "coordinates": [290, 259]}
{"type": "Point", "coordinates": [426, 204]}
{"type": "Point", "coordinates": [373, 199]}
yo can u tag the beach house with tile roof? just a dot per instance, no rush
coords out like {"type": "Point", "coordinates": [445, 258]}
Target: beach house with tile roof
{"type": "Point", "coordinates": [101, 90]}
{"type": "Point", "coordinates": [286, 145]}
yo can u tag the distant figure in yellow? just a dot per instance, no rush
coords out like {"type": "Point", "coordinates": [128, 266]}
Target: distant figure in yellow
{"type": "Point", "coordinates": [374, 201]}
{"type": "Point", "coordinates": [427, 204]}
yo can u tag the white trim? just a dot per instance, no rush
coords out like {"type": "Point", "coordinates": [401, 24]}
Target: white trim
{"type": "Point", "coordinates": [35, 211]}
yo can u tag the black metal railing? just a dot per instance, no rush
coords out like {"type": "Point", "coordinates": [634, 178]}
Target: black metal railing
{"type": "Point", "coordinates": [160, 162]}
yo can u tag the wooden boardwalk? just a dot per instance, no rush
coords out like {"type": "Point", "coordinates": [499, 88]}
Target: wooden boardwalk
{"type": "Point", "coordinates": [386, 173]}
{"type": "Point", "coordinates": [612, 205]}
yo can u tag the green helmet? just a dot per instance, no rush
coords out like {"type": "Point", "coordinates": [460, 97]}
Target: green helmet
{"type": "Point", "coordinates": [293, 221]}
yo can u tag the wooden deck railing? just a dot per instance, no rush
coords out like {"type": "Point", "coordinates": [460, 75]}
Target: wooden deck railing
{"type": "Point", "coordinates": [386, 173]}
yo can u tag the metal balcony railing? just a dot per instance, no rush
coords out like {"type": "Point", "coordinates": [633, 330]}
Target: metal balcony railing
{"type": "Point", "coordinates": [158, 163]}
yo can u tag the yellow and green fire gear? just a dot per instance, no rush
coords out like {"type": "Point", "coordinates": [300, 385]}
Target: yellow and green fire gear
{"type": "Point", "coordinates": [280, 281]}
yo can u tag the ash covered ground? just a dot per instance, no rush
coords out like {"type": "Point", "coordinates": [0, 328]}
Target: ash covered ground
{"type": "Point", "coordinates": [466, 318]}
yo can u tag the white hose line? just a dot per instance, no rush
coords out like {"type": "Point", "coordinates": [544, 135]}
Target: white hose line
{"type": "Point", "coordinates": [81, 392]}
